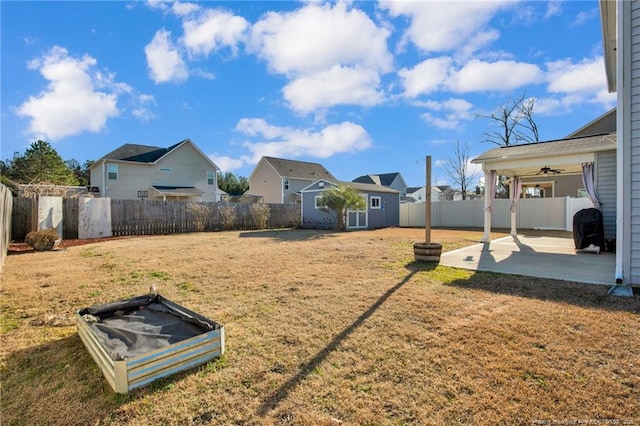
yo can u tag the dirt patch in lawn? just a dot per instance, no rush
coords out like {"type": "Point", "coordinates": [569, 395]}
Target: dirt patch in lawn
{"type": "Point", "coordinates": [322, 328]}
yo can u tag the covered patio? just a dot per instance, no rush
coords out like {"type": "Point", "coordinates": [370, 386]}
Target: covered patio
{"type": "Point", "coordinates": [536, 254]}
{"type": "Point", "coordinates": [555, 161]}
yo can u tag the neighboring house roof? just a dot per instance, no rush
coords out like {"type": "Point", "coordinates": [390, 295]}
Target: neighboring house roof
{"type": "Point", "coordinates": [293, 169]}
{"type": "Point", "coordinates": [385, 179]}
{"type": "Point", "coordinates": [412, 189]}
{"type": "Point", "coordinates": [146, 154]}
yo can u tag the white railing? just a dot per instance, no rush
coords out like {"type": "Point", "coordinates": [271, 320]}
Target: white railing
{"type": "Point", "coordinates": [531, 213]}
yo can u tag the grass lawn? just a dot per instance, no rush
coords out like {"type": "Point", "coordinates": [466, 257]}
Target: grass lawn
{"type": "Point", "coordinates": [322, 328]}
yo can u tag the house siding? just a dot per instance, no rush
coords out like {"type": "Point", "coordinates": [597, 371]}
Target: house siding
{"type": "Point", "coordinates": [188, 168]}
{"type": "Point", "coordinates": [631, 146]}
{"type": "Point", "coordinates": [388, 215]}
{"type": "Point", "coordinates": [606, 189]}
{"type": "Point", "coordinates": [265, 181]}
{"type": "Point", "coordinates": [633, 210]}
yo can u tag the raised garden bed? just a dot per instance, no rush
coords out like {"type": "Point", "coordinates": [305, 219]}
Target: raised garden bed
{"type": "Point", "coordinates": [138, 340]}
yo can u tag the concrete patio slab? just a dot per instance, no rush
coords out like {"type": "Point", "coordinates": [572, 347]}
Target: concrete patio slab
{"type": "Point", "coordinates": [535, 256]}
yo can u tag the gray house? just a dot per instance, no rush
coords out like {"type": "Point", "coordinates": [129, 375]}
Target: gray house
{"type": "Point", "coordinates": [382, 211]}
{"type": "Point", "coordinates": [279, 180]}
{"type": "Point", "coordinates": [620, 23]}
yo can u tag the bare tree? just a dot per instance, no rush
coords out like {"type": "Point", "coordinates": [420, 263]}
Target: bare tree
{"type": "Point", "coordinates": [458, 169]}
{"type": "Point", "coordinates": [514, 123]}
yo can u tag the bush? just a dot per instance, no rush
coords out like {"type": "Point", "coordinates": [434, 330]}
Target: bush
{"type": "Point", "coordinates": [43, 239]}
{"type": "Point", "coordinates": [260, 214]}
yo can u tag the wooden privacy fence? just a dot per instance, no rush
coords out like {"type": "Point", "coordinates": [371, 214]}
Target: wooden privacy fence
{"type": "Point", "coordinates": [150, 217]}
{"type": "Point", "coordinates": [6, 206]}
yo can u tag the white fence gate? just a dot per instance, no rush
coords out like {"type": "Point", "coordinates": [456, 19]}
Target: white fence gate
{"type": "Point", "coordinates": [531, 213]}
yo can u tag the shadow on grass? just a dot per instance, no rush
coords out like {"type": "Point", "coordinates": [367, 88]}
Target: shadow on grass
{"type": "Point", "coordinates": [578, 294]}
{"type": "Point", "coordinates": [280, 394]}
{"type": "Point", "coordinates": [290, 234]}
{"type": "Point", "coordinates": [61, 375]}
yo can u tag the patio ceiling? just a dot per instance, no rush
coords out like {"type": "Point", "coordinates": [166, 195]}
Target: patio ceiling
{"type": "Point", "coordinates": [528, 159]}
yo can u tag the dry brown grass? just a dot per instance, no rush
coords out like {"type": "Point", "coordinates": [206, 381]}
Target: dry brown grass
{"type": "Point", "coordinates": [322, 328]}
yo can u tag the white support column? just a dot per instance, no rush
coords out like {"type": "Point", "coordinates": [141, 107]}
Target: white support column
{"type": "Point", "coordinates": [514, 231]}
{"type": "Point", "coordinates": [487, 206]}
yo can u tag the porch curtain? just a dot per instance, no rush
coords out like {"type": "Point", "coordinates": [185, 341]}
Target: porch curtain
{"type": "Point", "coordinates": [491, 187]}
{"type": "Point", "coordinates": [516, 190]}
{"type": "Point", "coordinates": [587, 181]}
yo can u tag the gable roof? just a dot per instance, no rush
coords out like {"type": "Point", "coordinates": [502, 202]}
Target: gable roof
{"type": "Point", "coordinates": [606, 123]}
{"type": "Point", "coordinates": [384, 179]}
{"type": "Point", "coordinates": [293, 169]}
{"type": "Point", "coordinates": [138, 153]}
{"type": "Point", "coordinates": [578, 145]}
{"type": "Point", "coordinates": [147, 154]}
{"type": "Point", "coordinates": [363, 187]}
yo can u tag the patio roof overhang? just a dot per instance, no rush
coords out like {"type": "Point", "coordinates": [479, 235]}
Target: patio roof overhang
{"type": "Point", "coordinates": [566, 154]}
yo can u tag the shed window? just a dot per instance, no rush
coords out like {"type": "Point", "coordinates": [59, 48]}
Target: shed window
{"type": "Point", "coordinates": [374, 202]}
{"type": "Point", "coordinates": [318, 202]}
{"type": "Point", "coordinates": [112, 171]}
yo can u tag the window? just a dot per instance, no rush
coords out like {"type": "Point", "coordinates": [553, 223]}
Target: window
{"type": "Point", "coordinates": [374, 203]}
{"type": "Point", "coordinates": [318, 202]}
{"type": "Point", "coordinates": [285, 184]}
{"type": "Point", "coordinates": [112, 171]}
{"type": "Point", "coordinates": [211, 178]}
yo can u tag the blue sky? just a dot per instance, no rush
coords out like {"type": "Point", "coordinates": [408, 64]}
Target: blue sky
{"type": "Point", "coordinates": [360, 87]}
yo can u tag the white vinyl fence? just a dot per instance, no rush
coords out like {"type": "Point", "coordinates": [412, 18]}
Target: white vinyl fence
{"type": "Point", "coordinates": [531, 213]}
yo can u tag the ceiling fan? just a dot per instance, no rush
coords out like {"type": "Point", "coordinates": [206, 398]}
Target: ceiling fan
{"type": "Point", "coordinates": [546, 170]}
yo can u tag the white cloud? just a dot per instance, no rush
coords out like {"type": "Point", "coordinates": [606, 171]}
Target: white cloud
{"type": "Point", "coordinates": [453, 113]}
{"type": "Point", "coordinates": [426, 77]}
{"type": "Point", "coordinates": [164, 60]}
{"type": "Point", "coordinates": [212, 30]}
{"type": "Point", "coordinates": [313, 39]}
{"type": "Point", "coordinates": [291, 143]}
{"type": "Point", "coordinates": [479, 76]}
{"type": "Point", "coordinates": [71, 103]}
{"type": "Point", "coordinates": [340, 85]}
{"type": "Point", "coordinates": [184, 8]}
{"type": "Point", "coordinates": [226, 163]}
{"type": "Point", "coordinates": [436, 27]}
{"type": "Point", "coordinates": [571, 84]}
{"type": "Point", "coordinates": [141, 110]}
{"type": "Point", "coordinates": [585, 76]}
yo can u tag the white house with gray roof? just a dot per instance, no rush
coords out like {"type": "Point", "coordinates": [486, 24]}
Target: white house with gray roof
{"type": "Point", "coordinates": [179, 172]}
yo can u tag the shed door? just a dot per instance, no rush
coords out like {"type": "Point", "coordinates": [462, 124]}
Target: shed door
{"type": "Point", "coordinates": [357, 218]}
